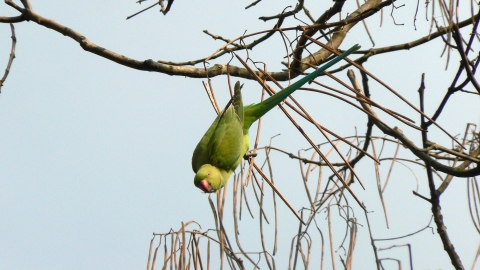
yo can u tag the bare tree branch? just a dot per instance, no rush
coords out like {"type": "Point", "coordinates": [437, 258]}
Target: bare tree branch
{"type": "Point", "coordinates": [10, 60]}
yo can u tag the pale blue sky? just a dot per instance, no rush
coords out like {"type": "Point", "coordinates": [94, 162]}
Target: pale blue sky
{"type": "Point", "coordinates": [95, 156]}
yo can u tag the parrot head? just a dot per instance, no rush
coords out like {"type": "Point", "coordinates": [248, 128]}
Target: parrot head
{"type": "Point", "coordinates": [208, 178]}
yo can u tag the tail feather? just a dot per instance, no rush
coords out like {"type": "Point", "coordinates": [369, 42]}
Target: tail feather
{"type": "Point", "coordinates": [253, 112]}
{"type": "Point", "coordinates": [237, 101]}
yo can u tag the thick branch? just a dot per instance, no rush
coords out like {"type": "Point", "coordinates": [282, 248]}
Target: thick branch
{"type": "Point", "coordinates": [297, 55]}
{"type": "Point", "coordinates": [26, 4]}
{"type": "Point", "coordinates": [218, 69]}
{"type": "Point", "coordinates": [449, 178]}
{"type": "Point", "coordinates": [146, 65]}
{"type": "Point", "coordinates": [11, 19]}
{"type": "Point", "coordinates": [173, 69]}
{"type": "Point", "coordinates": [339, 34]}
{"type": "Point", "coordinates": [435, 196]}
{"type": "Point", "coordinates": [458, 40]}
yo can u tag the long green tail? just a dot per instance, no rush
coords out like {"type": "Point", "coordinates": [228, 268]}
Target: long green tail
{"type": "Point", "coordinates": [253, 112]}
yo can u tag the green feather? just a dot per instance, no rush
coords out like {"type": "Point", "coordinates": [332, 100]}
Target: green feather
{"type": "Point", "coordinates": [222, 147]}
{"type": "Point", "coordinates": [254, 111]}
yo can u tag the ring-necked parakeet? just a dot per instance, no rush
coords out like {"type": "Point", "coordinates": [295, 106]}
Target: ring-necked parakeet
{"type": "Point", "coordinates": [222, 147]}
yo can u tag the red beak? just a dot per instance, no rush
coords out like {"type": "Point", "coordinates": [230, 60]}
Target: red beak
{"type": "Point", "coordinates": [205, 186]}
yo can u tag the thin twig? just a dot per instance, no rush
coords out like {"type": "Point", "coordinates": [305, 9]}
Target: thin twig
{"type": "Point", "coordinates": [12, 56]}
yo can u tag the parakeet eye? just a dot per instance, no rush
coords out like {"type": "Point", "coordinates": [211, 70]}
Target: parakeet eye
{"type": "Point", "coordinates": [208, 174]}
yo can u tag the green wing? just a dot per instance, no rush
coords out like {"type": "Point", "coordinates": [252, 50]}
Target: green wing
{"type": "Point", "coordinates": [254, 111]}
{"type": "Point", "coordinates": [222, 144]}
{"type": "Point", "coordinates": [226, 140]}
{"type": "Point", "coordinates": [201, 154]}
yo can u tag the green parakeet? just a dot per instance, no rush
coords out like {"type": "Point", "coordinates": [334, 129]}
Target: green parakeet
{"type": "Point", "coordinates": [221, 149]}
